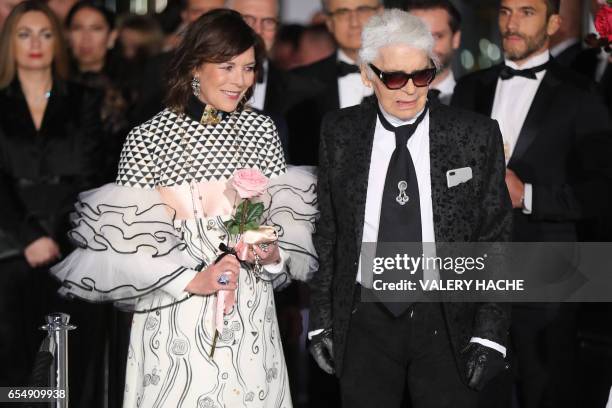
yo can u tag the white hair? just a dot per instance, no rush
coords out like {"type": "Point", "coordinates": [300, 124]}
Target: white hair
{"type": "Point", "coordinates": [394, 27]}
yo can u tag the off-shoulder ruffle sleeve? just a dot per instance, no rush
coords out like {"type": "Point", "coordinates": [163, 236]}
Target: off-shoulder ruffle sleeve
{"type": "Point", "coordinates": [127, 250]}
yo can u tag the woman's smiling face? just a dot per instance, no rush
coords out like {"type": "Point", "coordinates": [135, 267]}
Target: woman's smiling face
{"type": "Point", "coordinates": [223, 85]}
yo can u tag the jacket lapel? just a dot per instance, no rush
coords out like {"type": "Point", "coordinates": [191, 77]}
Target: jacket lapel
{"type": "Point", "coordinates": [367, 127]}
{"type": "Point", "coordinates": [53, 115]}
{"type": "Point", "coordinates": [22, 118]}
{"type": "Point", "coordinates": [539, 107]}
{"type": "Point", "coordinates": [332, 97]}
{"type": "Point", "coordinates": [484, 103]}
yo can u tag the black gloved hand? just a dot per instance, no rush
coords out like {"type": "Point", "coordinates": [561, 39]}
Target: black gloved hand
{"type": "Point", "coordinates": [482, 364]}
{"type": "Point", "coordinates": [322, 350]}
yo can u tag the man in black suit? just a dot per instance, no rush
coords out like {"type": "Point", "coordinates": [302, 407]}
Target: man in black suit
{"type": "Point", "coordinates": [444, 21]}
{"type": "Point", "coordinates": [438, 354]}
{"type": "Point", "coordinates": [556, 134]}
{"type": "Point", "coordinates": [329, 84]}
{"type": "Point", "coordinates": [262, 16]}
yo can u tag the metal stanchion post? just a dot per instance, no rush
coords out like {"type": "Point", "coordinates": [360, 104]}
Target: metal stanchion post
{"type": "Point", "coordinates": [57, 327]}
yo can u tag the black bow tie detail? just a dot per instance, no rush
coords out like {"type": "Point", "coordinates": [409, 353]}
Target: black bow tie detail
{"type": "Point", "coordinates": [344, 69]}
{"type": "Point", "coordinates": [530, 73]}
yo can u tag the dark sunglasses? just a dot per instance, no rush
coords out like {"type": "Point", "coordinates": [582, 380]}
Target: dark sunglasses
{"type": "Point", "coordinates": [398, 79]}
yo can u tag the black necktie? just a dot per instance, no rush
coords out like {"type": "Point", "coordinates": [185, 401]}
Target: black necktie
{"type": "Point", "coordinates": [400, 211]}
{"type": "Point", "coordinates": [508, 73]}
{"type": "Point", "coordinates": [344, 69]}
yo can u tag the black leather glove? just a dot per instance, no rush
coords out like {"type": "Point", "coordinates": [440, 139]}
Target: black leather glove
{"type": "Point", "coordinates": [322, 350]}
{"type": "Point", "coordinates": [482, 364]}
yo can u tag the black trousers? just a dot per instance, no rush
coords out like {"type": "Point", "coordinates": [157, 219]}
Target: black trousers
{"type": "Point", "coordinates": [389, 360]}
{"type": "Point", "coordinates": [544, 340]}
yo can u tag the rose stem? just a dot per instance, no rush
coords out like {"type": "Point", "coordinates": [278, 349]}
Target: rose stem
{"type": "Point", "coordinates": [214, 344]}
{"type": "Point", "coordinates": [245, 207]}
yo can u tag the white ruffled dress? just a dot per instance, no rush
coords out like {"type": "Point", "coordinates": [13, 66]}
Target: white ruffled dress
{"type": "Point", "coordinates": [144, 238]}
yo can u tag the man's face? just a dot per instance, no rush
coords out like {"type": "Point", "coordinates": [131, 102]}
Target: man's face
{"type": "Point", "coordinates": [195, 8]}
{"type": "Point", "coordinates": [406, 102]}
{"type": "Point", "coordinates": [525, 29]}
{"type": "Point", "coordinates": [346, 20]}
{"type": "Point", "coordinates": [446, 42]}
{"type": "Point", "coordinates": [261, 15]}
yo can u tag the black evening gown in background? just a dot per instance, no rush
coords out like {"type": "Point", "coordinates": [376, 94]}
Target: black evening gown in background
{"type": "Point", "coordinates": [41, 173]}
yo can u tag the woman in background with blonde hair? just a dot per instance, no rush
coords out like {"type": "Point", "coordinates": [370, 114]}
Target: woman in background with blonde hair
{"type": "Point", "coordinates": [48, 144]}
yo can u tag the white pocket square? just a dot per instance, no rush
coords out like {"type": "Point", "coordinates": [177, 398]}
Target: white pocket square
{"type": "Point", "coordinates": [455, 177]}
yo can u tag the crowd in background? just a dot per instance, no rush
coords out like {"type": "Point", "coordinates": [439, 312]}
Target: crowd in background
{"type": "Point", "coordinates": [87, 76]}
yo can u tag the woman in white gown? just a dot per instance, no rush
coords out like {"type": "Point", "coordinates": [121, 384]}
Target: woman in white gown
{"type": "Point", "coordinates": [150, 241]}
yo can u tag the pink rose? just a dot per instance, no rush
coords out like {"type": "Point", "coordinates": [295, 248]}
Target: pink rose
{"type": "Point", "coordinates": [603, 22]}
{"type": "Point", "coordinates": [249, 182]}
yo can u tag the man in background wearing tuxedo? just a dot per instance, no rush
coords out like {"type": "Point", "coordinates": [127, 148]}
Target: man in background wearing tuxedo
{"type": "Point", "coordinates": [438, 354]}
{"type": "Point", "coordinates": [444, 21]}
{"type": "Point", "coordinates": [262, 16]}
{"type": "Point", "coordinates": [331, 83]}
{"type": "Point", "coordinates": [556, 134]}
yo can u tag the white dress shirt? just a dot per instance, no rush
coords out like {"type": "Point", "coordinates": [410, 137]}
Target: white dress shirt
{"type": "Point", "coordinates": [351, 89]}
{"type": "Point", "coordinates": [259, 93]}
{"type": "Point", "coordinates": [382, 150]}
{"type": "Point", "coordinates": [513, 99]}
{"type": "Point", "coordinates": [446, 88]}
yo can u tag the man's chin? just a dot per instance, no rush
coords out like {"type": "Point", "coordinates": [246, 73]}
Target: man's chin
{"type": "Point", "coordinates": [517, 55]}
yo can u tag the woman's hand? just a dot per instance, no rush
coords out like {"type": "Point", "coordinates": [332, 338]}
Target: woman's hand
{"type": "Point", "coordinates": [41, 252]}
{"type": "Point", "coordinates": [207, 281]}
{"type": "Point", "coordinates": [268, 253]}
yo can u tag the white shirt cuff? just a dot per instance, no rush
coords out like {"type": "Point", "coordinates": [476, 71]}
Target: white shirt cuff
{"type": "Point", "coordinates": [314, 333]}
{"type": "Point", "coordinates": [489, 344]}
{"type": "Point", "coordinates": [278, 267]}
{"type": "Point", "coordinates": [528, 199]}
{"type": "Point", "coordinates": [176, 287]}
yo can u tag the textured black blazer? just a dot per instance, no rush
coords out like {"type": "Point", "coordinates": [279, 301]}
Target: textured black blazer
{"type": "Point", "coordinates": [563, 149]}
{"type": "Point", "coordinates": [478, 210]}
{"type": "Point", "coordinates": [42, 171]}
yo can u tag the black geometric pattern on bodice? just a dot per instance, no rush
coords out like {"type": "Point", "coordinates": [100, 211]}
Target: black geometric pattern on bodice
{"type": "Point", "coordinates": [172, 149]}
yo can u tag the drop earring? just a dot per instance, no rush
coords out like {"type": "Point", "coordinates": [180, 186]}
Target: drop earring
{"type": "Point", "coordinates": [195, 86]}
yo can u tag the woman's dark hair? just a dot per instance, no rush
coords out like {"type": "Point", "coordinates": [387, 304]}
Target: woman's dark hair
{"type": "Point", "coordinates": [215, 37]}
{"type": "Point", "coordinates": [108, 15]}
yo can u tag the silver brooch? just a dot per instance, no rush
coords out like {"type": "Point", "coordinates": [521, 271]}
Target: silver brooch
{"type": "Point", "coordinates": [402, 198]}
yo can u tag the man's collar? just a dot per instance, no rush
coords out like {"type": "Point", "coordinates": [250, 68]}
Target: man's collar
{"type": "Point", "coordinates": [397, 121]}
{"type": "Point", "coordinates": [534, 61]}
{"type": "Point", "coordinates": [345, 58]}
{"type": "Point", "coordinates": [447, 86]}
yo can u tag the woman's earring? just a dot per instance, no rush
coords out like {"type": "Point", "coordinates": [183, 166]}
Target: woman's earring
{"type": "Point", "coordinates": [195, 86]}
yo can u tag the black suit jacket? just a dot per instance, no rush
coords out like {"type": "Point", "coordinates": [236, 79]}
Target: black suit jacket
{"type": "Point", "coordinates": [311, 93]}
{"type": "Point", "coordinates": [475, 211]}
{"type": "Point", "coordinates": [568, 57]}
{"type": "Point", "coordinates": [563, 150]}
